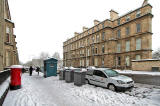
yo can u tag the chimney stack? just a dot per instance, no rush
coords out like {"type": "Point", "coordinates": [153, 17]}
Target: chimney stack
{"type": "Point", "coordinates": [76, 33]}
{"type": "Point", "coordinates": [113, 15]}
{"type": "Point", "coordinates": [145, 3]}
{"type": "Point", "coordinates": [85, 28]}
{"type": "Point", "coordinates": [96, 22]}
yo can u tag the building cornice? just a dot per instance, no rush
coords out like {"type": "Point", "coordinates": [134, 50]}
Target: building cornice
{"type": "Point", "coordinates": [148, 14]}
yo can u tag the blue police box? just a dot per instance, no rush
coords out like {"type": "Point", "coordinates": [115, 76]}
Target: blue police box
{"type": "Point", "coordinates": [50, 67]}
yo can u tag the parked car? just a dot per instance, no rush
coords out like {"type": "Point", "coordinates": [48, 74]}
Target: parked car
{"type": "Point", "coordinates": [90, 67]}
{"type": "Point", "coordinates": [109, 78]}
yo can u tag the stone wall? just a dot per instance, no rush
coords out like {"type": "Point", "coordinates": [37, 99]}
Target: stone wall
{"type": "Point", "coordinates": [145, 65]}
{"type": "Point", "coordinates": [145, 79]}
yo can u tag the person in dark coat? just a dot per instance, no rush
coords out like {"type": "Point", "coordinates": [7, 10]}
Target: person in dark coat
{"type": "Point", "coordinates": [37, 70]}
{"type": "Point", "coordinates": [30, 70]}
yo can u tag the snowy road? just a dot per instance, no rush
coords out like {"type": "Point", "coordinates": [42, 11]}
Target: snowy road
{"type": "Point", "coordinates": [39, 91]}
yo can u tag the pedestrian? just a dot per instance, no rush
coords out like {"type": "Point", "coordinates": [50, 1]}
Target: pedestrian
{"type": "Point", "coordinates": [37, 70]}
{"type": "Point", "coordinates": [30, 70]}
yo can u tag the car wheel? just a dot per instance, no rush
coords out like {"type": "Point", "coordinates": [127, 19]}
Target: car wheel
{"type": "Point", "coordinates": [87, 81]}
{"type": "Point", "coordinates": [112, 87]}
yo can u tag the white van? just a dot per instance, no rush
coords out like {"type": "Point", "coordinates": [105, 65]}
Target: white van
{"type": "Point", "coordinates": [109, 78]}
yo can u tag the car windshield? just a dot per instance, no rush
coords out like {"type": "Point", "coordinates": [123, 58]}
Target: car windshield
{"type": "Point", "coordinates": [111, 73]}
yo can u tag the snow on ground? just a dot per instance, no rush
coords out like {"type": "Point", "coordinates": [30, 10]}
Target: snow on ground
{"type": "Point", "coordinates": [39, 91]}
{"type": "Point", "coordinates": [139, 72]}
{"type": "Point", "coordinates": [3, 87]}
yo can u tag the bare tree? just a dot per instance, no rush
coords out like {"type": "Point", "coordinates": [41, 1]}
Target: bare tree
{"type": "Point", "coordinates": [156, 54]}
{"type": "Point", "coordinates": [29, 63]}
{"type": "Point", "coordinates": [60, 62]}
{"type": "Point", "coordinates": [43, 55]}
{"type": "Point", "coordinates": [56, 56]}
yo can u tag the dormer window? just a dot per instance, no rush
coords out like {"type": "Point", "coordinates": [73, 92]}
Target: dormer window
{"type": "Point", "coordinates": [138, 14]}
{"type": "Point", "coordinates": [118, 21]}
{"type": "Point", "coordinates": [127, 18]}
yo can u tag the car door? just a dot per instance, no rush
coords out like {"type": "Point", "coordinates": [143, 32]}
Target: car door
{"type": "Point", "coordinates": [99, 78]}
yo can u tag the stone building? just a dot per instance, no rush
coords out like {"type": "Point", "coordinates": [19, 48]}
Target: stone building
{"type": "Point", "coordinates": [114, 42]}
{"type": "Point", "coordinates": [8, 49]}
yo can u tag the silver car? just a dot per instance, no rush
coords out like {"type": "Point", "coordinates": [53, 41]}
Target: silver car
{"type": "Point", "coordinates": [109, 78]}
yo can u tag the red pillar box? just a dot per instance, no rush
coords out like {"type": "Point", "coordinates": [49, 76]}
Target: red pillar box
{"type": "Point", "coordinates": [16, 71]}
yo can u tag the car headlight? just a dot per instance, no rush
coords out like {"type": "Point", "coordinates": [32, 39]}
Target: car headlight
{"type": "Point", "coordinates": [120, 82]}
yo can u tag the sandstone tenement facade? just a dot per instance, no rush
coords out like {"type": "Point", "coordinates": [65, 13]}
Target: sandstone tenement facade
{"type": "Point", "coordinates": [114, 42]}
{"type": "Point", "coordinates": [8, 49]}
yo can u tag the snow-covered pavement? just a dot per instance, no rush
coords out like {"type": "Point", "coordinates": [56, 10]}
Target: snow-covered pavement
{"type": "Point", "coordinates": [39, 91]}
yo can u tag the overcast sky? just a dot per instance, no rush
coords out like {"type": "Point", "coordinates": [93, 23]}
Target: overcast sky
{"type": "Point", "coordinates": [43, 25]}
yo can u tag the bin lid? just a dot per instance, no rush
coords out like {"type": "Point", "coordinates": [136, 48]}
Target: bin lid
{"type": "Point", "coordinates": [16, 66]}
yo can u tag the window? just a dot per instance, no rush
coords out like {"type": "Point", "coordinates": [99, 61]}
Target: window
{"type": "Point", "coordinates": [99, 73]}
{"type": "Point", "coordinates": [96, 61]}
{"type": "Point", "coordinates": [88, 52]}
{"type": "Point", "coordinates": [127, 18]}
{"type": "Point", "coordinates": [82, 51]}
{"type": "Point", "coordinates": [103, 36]}
{"type": "Point", "coordinates": [7, 30]}
{"type": "Point", "coordinates": [97, 39]}
{"type": "Point", "coordinates": [87, 63]}
{"type": "Point", "coordinates": [92, 50]}
{"type": "Point", "coordinates": [7, 34]}
{"type": "Point", "coordinates": [118, 21]}
{"type": "Point", "coordinates": [127, 30]}
{"type": "Point", "coordinates": [96, 51]}
{"type": "Point", "coordinates": [93, 61]}
{"type": "Point", "coordinates": [93, 39]}
{"type": "Point", "coordinates": [138, 14]}
{"type": "Point", "coordinates": [103, 50]}
{"type": "Point", "coordinates": [7, 37]}
{"type": "Point", "coordinates": [118, 48]}
{"type": "Point", "coordinates": [127, 63]}
{"type": "Point", "coordinates": [138, 44]}
{"type": "Point", "coordinates": [88, 41]}
{"type": "Point", "coordinates": [138, 57]}
{"type": "Point", "coordinates": [127, 46]}
{"type": "Point", "coordinates": [138, 27]}
{"type": "Point", "coordinates": [80, 62]}
{"type": "Point", "coordinates": [119, 33]}
{"type": "Point", "coordinates": [119, 61]}
{"type": "Point", "coordinates": [102, 61]}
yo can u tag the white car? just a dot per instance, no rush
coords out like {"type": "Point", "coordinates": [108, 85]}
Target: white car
{"type": "Point", "coordinates": [109, 78]}
{"type": "Point", "coordinates": [91, 67]}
